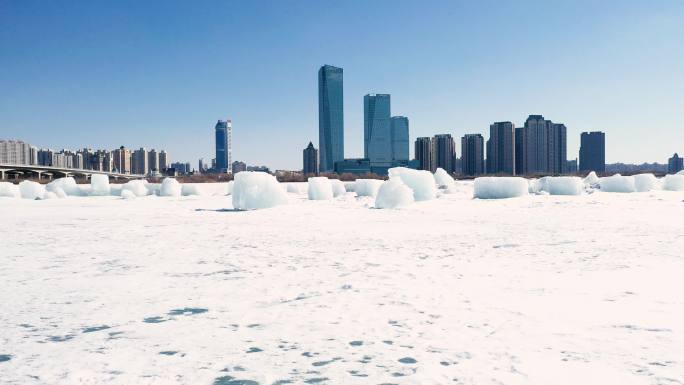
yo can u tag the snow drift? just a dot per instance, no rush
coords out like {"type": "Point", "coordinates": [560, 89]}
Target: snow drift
{"type": "Point", "coordinates": [500, 187]}
{"type": "Point", "coordinates": [8, 189]}
{"type": "Point", "coordinates": [170, 188]}
{"type": "Point", "coordinates": [320, 188]}
{"type": "Point", "coordinates": [31, 190]}
{"type": "Point", "coordinates": [646, 182]}
{"type": "Point", "coordinates": [393, 194]}
{"type": "Point", "coordinates": [367, 187]}
{"type": "Point", "coordinates": [617, 183]}
{"type": "Point", "coordinates": [257, 190]}
{"type": "Point", "coordinates": [420, 181]}
{"type": "Point", "coordinates": [673, 182]}
{"type": "Point", "coordinates": [99, 185]}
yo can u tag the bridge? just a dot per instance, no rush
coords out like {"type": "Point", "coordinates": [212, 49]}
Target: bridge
{"type": "Point", "coordinates": [49, 172]}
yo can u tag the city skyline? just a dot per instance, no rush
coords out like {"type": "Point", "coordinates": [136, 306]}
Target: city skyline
{"type": "Point", "coordinates": [599, 76]}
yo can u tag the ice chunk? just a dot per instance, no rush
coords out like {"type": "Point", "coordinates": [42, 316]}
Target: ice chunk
{"type": "Point", "coordinates": [99, 184]}
{"type": "Point", "coordinates": [443, 179]}
{"type": "Point", "coordinates": [31, 190]}
{"type": "Point", "coordinates": [680, 172]}
{"type": "Point", "coordinates": [533, 186]}
{"type": "Point", "coordinates": [367, 187]}
{"type": "Point", "coordinates": [50, 195]}
{"type": "Point", "coordinates": [320, 188]}
{"type": "Point", "coordinates": [393, 194]}
{"type": "Point", "coordinates": [257, 190]}
{"type": "Point", "coordinates": [190, 189]}
{"type": "Point", "coordinates": [127, 194]}
{"type": "Point", "coordinates": [229, 187]}
{"type": "Point", "coordinates": [561, 185]}
{"type": "Point", "coordinates": [591, 179]}
{"type": "Point", "coordinates": [349, 186]}
{"type": "Point", "coordinates": [67, 185]}
{"type": "Point", "coordinates": [297, 188]}
{"type": "Point", "coordinates": [170, 188]}
{"type": "Point", "coordinates": [500, 187]}
{"type": "Point", "coordinates": [338, 188]}
{"type": "Point", "coordinates": [8, 189]}
{"type": "Point", "coordinates": [420, 181]}
{"type": "Point", "coordinates": [673, 182]}
{"type": "Point", "coordinates": [137, 187]}
{"type": "Point", "coordinates": [646, 182]}
{"type": "Point", "coordinates": [59, 193]}
{"type": "Point", "coordinates": [617, 183]}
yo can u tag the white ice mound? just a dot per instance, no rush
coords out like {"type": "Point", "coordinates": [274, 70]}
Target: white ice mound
{"type": "Point", "coordinates": [50, 195]}
{"type": "Point", "coordinates": [59, 193]}
{"type": "Point", "coordinates": [500, 187]}
{"type": "Point", "coordinates": [680, 172]}
{"type": "Point", "coordinates": [646, 182]}
{"type": "Point", "coordinates": [349, 186]}
{"type": "Point", "coordinates": [257, 190]}
{"type": "Point", "coordinates": [561, 185]}
{"type": "Point", "coordinates": [320, 188]}
{"type": "Point", "coordinates": [137, 187]}
{"type": "Point", "coordinates": [170, 188]}
{"type": "Point", "coordinates": [533, 186]}
{"type": "Point", "coordinates": [591, 179]}
{"type": "Point", "coordinates": [229, 187]}
{"type": "Point", "coordinates": [31, 190]}
{"type": "Point", "coordinates": [338, 188]}
{"type": "Point", "coordinates": [67, 185]}
{"type": "Point", "coordinates": [393, 194]}
{"type": "Point", "coordinates": [443, 179]}
{"type": "Point", "coordinates": [420, 181]}
{"type": "Point", "coordinates": [127, 194]}
{"type": "Point", "coordinates": [190, 189]}
{"type": "Point", "coordinates": [367, 187]}
{"type": "Point", "coordinates": [296, 188]}
{"type": "Point", "coordinates": [617, 183]}
{"type": "Point", "coordinates": [99, 184]}
{"type": "Point", "coordinates": [10, 190]}
{"type": "Point", "coordinates": [673, 182]}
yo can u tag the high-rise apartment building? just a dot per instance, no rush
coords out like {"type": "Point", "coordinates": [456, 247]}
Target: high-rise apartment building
{"type": "Point", "coordinates": [501, 148]}
{"type": "Point", "coordinates": [541, 147]}
{"type": "Point", "coordinates": [122, 160]}
{"type": "Point", "coordinates": [425, 154]}
{"type": "Point", "coordinates": [330, 117]}
{"type": "Point", "coordinates": [399, 132]}
{"type": "Point", "coordinates": [139, 162]}
{"type": "Point", "coordinates": [592, 153]}
{"type": "Point", "coordinates": [472, 154]}
{"type": "Point", "coordinates": [675, 164]}
{"type": "Point", "coordinates": [445, 152]}
{"type": "Point", "coordinates": [153, 160]}
{"type": "Point", "coordinates": [224, 151]}
{"type": "Point", "coordinates": [164, 160]}
{"type": "Point", "coordinates": [15, 152]}
{"type": "Point", "coordinates": [310, 160]}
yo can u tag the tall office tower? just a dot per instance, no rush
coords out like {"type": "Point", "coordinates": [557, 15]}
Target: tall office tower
{"type": "Point", "coordinates": [15, 152]}
{"type": "Point", "coordinates": [164, 160]}
{"type": "Point", "coordinates": [472, 154]}
{"type": "Point", "coordinates": [445, 152]}
{"type": "Point", "coordinates": [122, 160]}
{"type": "Point", "coordinates": [501, 148]}
{"type": "Point", "coordinates": [425, 154]}
{"type": "Point", "coordinates": [139, 162]}
{"type": "Point", "coordinates": [541, 147]}
{"type": "Point", "coordinates": [310, 160]}
{"type": "Point", "coordinates": [201, 165]}
{"type": "Point", "coordinates": [675, 164]}
{"type": "Point", "coordinates": [224, 151]}
{"type": "Point", "coordinates": [377, 138]}
{"type": "Point", "coordinates": [399, 133]}
{"type": "Point", "coordinates": [330, 117]}
{"type": "Point", "coordinates": [153, 160]}
{"type": "Point", "coordinates": [592, 153]}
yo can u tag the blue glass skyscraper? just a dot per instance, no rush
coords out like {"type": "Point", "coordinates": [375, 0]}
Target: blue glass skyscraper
{"type": "Point", "coordinates": [377, 136]}
{"type": "Point", "coordinates": [330, 117]}
{"type": "Point", "coordinates": [400, 139]}
{"type": "Point", "coordinates": [223, 145]}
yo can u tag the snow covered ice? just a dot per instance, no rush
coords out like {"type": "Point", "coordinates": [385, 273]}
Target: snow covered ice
{"type": "Point", "coordinates": [541, 289]}
{"type": "Point", "coordinates": [500, 187]}
{"type": "Point", "coordinates": [257, 190]}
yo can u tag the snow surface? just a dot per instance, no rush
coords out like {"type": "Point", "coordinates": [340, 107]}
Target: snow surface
{"type": "Point", "coordinates": [536, 290]}
{"type": "Point", "coordinates": [420, 181]}
{"type": "Point", "coordinates": [500, 187]}
{"type": "Point", "coordinates": [393, 194]}
{"type": "Point", "coordinates": [257, 190]}
{"type": "Point", "coordinates": [320, 188]}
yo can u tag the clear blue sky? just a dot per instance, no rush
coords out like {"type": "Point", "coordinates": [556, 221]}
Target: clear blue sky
{"type": "Point", "coordinates": [159, 74]}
